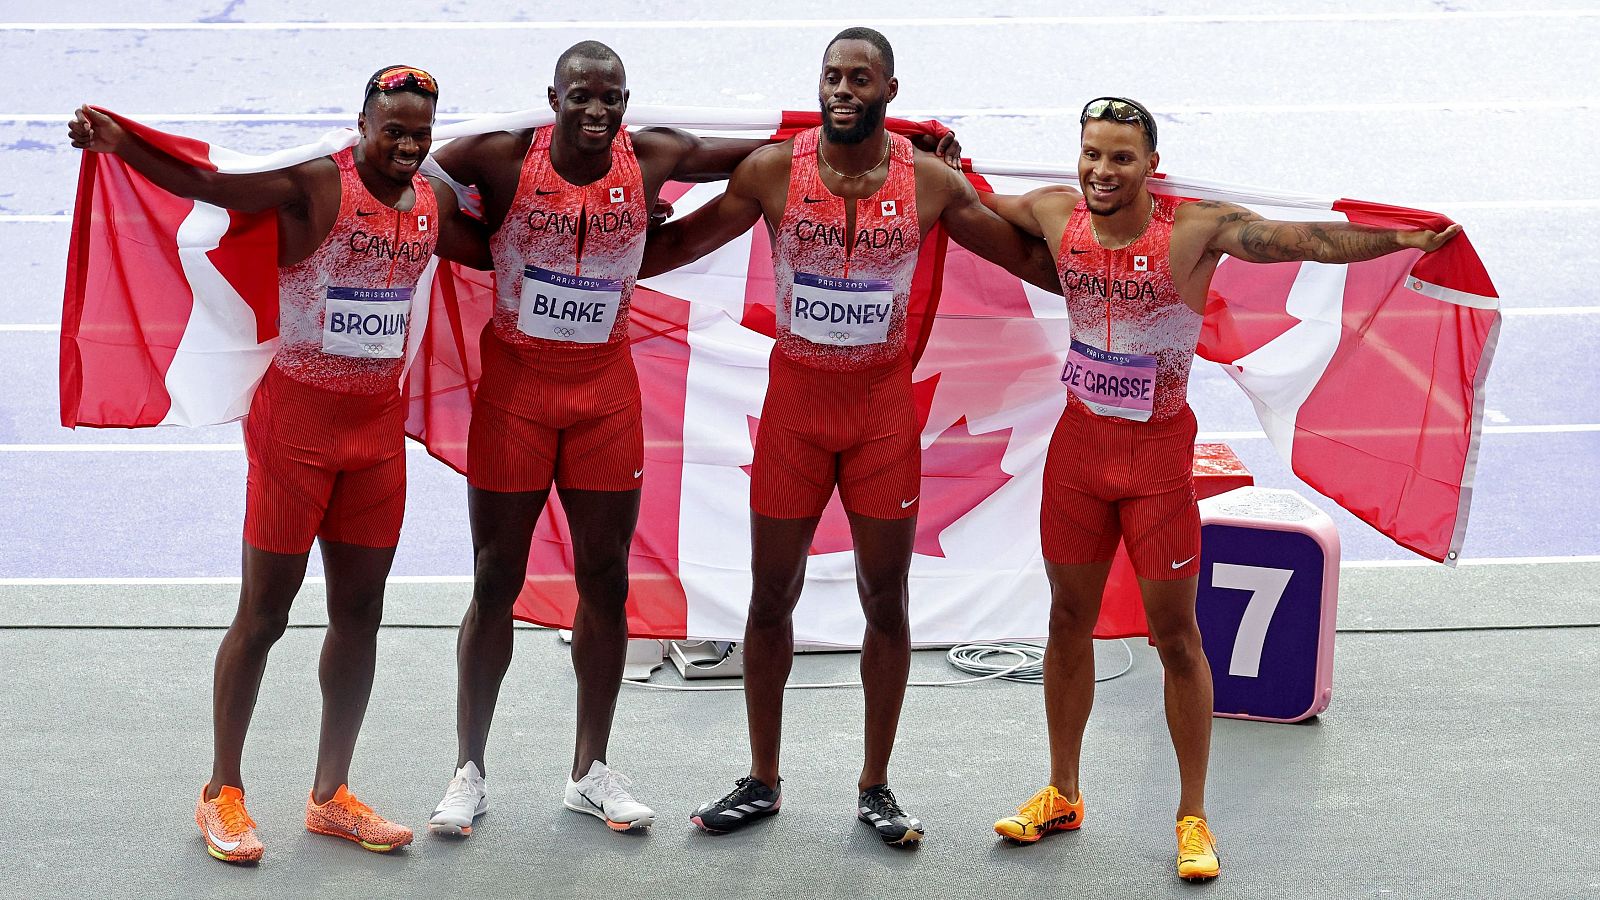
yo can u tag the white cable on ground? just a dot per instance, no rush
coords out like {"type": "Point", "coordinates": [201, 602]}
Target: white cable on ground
{"type": "Point", "coordinates": [971, 658]}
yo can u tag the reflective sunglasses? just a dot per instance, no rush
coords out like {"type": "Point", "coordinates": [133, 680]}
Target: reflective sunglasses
{"type": "Point", "coordinates": [1119, 110]}
{"type": "Point", "coordinates": [396, 77]}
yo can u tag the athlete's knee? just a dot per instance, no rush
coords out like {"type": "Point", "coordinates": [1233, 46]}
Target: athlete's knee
{"type": "Point", "coordinates": [497, 577]}
{"type": "Point", "coordinates": [602, 578]}
{"type": "Point", "coordinates": [1072, 616]}
{"type": "Point", "coordinates": [888, 611]}
{"type": "Point", "coordinates": [1180, 646]}
{"type": "Point", "coordinates": [259, 627]}
{"type": "Point", "coordinates": [359, 614]}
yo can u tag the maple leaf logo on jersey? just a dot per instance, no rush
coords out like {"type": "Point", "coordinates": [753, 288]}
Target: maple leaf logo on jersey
{"type": "Point", "coordinates": [619, 195]}
{"type": "Point", "coordinates": [887, 208]}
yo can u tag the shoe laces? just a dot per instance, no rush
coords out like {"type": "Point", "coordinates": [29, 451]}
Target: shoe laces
{"type": "Point", "coordinates": [353, 806]}
{"type": "Point", "coordinates": [462, 789]}
{"type": "Point", "coordinates": [883, 798]}
{"type": "Point", "coordinates": [233, 814]}
{"type": "Point", "coordinates": [742, 787]}
{"type": "Point", "coordinates": [613, 784]}
{"type": "Point", "coordinates": [1041, 806]}
{"type": "Point", "coordinates": [1194, 838]}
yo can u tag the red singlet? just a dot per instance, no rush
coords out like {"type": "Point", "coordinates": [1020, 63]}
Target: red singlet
{"type": "Point", "coordinates": [326, 432]}
{"type": "Point", "coordinates": [1121, 459]}
{"type": "Point", "coordinates": [839, 408]}
{"type": "Point", "coordinates": [559, 398]}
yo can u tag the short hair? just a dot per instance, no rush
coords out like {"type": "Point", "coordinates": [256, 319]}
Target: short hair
{"type": "Point", "coordinates": [593, 50]}
{"type": "Point", "coordinates": [875, 38]}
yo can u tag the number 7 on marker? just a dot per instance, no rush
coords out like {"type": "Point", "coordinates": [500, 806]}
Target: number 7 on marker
{"type": "Point", "coordinates": [1266, 586]}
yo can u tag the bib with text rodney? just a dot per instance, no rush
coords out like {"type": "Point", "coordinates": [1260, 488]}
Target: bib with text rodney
{"type": "Point", "coordinates": [1111, 384]}
{"type": "Point", "coordinates": [561, 307]}
{"type": "Point", "coordinates": [844, 312]}
{"type": "Point", "coordinates": [369, 323]}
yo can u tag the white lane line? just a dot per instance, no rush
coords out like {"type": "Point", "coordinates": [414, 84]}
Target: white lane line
{"type": "Point", "coordinates": [467, 579]}
{"type": "Point", "coordinates": [1549, 310]}
{"type": "Point", "coordinates": [219, 447]}
{"type": "Point", "coordinates": [1514, 104]}
{"type": "Point", "coordinates": [31, 326]}
{"type": "Point", "coordinates": [51, 217]}
{"type": "Point", "coordinates": [1465, 561]}
{"type": "Point", "coordinates": [774, 24]}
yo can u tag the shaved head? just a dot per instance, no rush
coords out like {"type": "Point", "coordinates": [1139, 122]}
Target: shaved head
{"type": "Point", "coordinates": [585, 50]}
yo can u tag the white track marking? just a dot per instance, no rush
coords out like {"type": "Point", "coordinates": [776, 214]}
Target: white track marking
{"type": "Point", "coordinates": [786, 24]}
{"type": "Point", "coordinates": [1517, 105]}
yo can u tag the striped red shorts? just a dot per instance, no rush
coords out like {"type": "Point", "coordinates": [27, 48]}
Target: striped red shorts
{"type": "Point", "coordinates": [323, 464]}
{"type": "Point", "coordinates": [856, 430]}
{"type": "Point", "coordinates": [545, 417]}
{"type": "Point", "coordinates": [1107, 478]}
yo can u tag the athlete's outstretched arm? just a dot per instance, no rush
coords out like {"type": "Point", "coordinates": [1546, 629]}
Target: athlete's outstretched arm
{"type": "Point", "coordinates": [977, 228]}
{"type": "Point", "coordinates": [462, 238]}
{"type": "Point", "coordinates": [719, 221]}
{"type": "Point", "coordinates": [93, 130]}
{"type": "Point", "coordinates": [1021, 210]}
{"type": "Point", "coordinates": [699, 159]}
{"type": "Point", "coordinates": [1244, 235]}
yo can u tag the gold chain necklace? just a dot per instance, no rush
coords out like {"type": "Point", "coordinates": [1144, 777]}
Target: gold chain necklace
{"type": "Point", "coordinates": [824, 157]}
{"type": "Point", "coordinates": [1131, 241]}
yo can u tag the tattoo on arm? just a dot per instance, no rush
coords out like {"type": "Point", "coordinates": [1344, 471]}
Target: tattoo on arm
{"type": "Point", "coordinates": [1254, 239]}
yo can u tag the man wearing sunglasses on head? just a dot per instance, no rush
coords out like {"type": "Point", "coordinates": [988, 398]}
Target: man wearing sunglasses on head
{"type": "Point", "coordinates": [558, 404]}
{"type": "Point", "coordinates": [326, 429]}
{"type": "Point", "coordinates": [1135, 269]}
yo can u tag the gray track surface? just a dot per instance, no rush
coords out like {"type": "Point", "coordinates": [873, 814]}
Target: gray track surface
{"type": "Point", "coordinates": [1451, 764]}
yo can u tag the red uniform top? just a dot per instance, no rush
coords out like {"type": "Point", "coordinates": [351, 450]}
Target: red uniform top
{"type": "Point", "coordinates": [842, 307]}
{"type": "Point", "coordinates": [344, 311]}
{"type": "Point", "coordinates": [1125, 308]}
{"type": "Point", "coordinates": [577, 247]}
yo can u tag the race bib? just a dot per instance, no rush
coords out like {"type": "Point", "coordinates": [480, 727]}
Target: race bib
{"type": "Point", "coordinates": [560, 307]}
{"type": "Point", "coordinates": [1111, 384]}
{"type": "Point", "coordinates": [369, 323]}
{"type": "Point", "coordinates": [844, 312]}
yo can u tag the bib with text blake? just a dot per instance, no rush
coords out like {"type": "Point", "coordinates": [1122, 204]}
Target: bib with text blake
{"type": "Point", "coordinates": [845, 312]}
{"type": "Point", "coordinates": [369, 323]}
{"type": "Point", "coordinates": [561, 307]}
{"type": "Point", "coordinates": [1111, 384]}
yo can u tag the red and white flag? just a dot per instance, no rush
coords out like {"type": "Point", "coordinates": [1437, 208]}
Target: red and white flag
{"type": "Point", "coordinates": [1368, 378]}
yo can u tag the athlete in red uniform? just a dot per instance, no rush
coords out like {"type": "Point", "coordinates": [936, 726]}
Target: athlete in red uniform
{"type": "Point", "coordinates": [559, 400]}
{"type": "Point", "coordinates": [326, 429]}
{"type": "Point", "coordinates": [1135, 269]}
{"type": "Point", "coordinates": [848, 205]}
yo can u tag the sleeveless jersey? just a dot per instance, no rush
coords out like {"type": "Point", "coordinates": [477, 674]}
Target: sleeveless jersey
{"type": "Point", "coordinates": [344, 311]}
{"type": "Point", "coordinates": [575, 250]}
{"type": "Point", "coordinates": [1125, 302]}
{"type": "Point", "coordinates": [839, 310]}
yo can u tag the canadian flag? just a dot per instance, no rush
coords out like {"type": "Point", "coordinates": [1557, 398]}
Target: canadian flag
{"type": "Point", "coordinates": [166, 321]}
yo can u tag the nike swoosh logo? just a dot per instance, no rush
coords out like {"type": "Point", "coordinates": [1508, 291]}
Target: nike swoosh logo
{"type": "Point", "coordinates": [544, 193]}
{"type": "Point", "coordinates": [637, 473]}
{"type": "Point", "coordinates": [1075, 251]}
{"type": "Point", "coordinates": [816, 199]}
{"type": "Point", "coordinates": [904, 504]}
{"type": "Point", "coordinates": [1179, 565]}
{"type": "Point", "coordinates": [363, 212]}
{"type": "Point", "coordinates": [219, 843]}
{"type": "Point", "coordinates": [590, 801]}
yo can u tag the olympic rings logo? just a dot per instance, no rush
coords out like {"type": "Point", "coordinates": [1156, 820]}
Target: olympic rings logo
{"type": "Point", "coordinates": [564, 331]}
{"type": "Point", "coordinates": [839, 335]}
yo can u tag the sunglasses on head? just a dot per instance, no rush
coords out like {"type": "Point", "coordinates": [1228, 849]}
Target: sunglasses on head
{"type": "Point", "coordinates": [1117, 109]}
{"type": "Point", "coordinates": [396, 77]}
